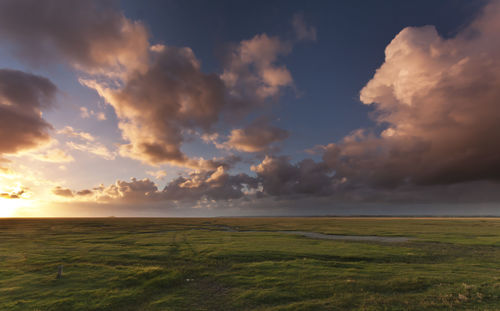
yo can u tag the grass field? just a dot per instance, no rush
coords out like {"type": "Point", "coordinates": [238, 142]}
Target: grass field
{"type": "Point", "coordinates": [247, 264]}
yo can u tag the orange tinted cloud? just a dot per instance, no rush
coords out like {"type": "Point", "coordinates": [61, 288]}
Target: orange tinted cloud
{"type": "Point", "coordinates": [252, 72]}
{"type": "Point", "coordinates": [256, 137]}
{"type": "Point", "coordinates": [156, 105]}
{"type": "Point", "coordinates": [214, 184]}
{"type": "Point", "coordinates": [22, 98]}
{"type": "Point", "coordinates": [438, 100]}
{"type": "Point", "coordinates": [158, 92]}
{"type": "Point", "coordinates": [71, 132]}
{"type": "Point", "coordinates": [92, 36]}
{"type": "Point", "coordinates": [12, 195]}
{"type": "Point", "coordinates": [63, 192]}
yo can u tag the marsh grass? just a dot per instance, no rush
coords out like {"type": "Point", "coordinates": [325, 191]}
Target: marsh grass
{"type": "Point", "coordinates": [197, 264]}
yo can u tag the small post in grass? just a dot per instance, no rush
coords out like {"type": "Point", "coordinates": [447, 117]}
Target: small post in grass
{"type": "Point", "coordinates": [60, 271]}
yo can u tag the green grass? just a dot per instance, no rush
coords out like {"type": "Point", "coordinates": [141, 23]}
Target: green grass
{"type": "Point", "coordinates": [195, 264]}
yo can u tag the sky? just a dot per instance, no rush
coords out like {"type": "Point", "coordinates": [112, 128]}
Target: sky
{"type": "Point", "coordinates": [249, 108]}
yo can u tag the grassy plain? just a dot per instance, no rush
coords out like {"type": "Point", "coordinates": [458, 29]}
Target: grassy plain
{"type": "Point", "coordinates": [199, 264]}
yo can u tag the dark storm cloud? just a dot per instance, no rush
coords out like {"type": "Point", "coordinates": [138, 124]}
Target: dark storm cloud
{"type": "Point", "coordinates": [22, 97]}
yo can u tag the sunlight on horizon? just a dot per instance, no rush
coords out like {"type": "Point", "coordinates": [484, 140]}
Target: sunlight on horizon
{"type": "Point", "coordinates": [13, 199]}
{"type": "Point", "coordinates": [9, 207]}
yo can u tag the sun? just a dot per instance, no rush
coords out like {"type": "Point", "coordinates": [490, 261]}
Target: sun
{"type": "Point", "coordinates": [8, 207]}
{"type": "Point", "coordinates": [12, 199]}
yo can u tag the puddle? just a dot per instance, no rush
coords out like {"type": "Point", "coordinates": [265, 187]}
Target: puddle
{"type": "Point", "coordinates": [374, 238]}
{"type": "Point", "coordinates": [316, 235]}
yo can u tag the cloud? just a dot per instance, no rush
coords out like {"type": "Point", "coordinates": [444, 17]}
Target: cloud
{"type": "Point", "coordinates": [159, 92]}
{"type": "Point", "coordinates": [211, 185]}
{"type": "Point", "coordinates": [55, 155]}
{"type": "Point", "coordinates": [84, 192]}
{"type": "Point", "coordinates": [204, 185]}
{"type": "Point", "coordinates": [276, 177]}
{"type": "Point", "coordinates": [256, 137]}
{"type": "Point", "coordinates": [69, 131]}
{"type": "Point", "coordinates": [133, 191]}
{"type": "Point", "coordinates": [5, 170]}
{"type": "Point", "coordinates": [281, 178]}
{"type": "Point", "coordinates": [12, 195]}
{"type": "Point", "coordinates": [156, 106]}
{"type": "Point", "coordinates": [22, 97]}
{"type": "Point", "coordinates": [251, 72]}
{"type": "Point", "coordinates": [159, 174]}
{"type": "Point", "coordinates": [101, 116]}
{"type": "Point", "coordinates": [88, 143]}
{"type": "Point", "coordinates": [63, 192]}
{"type": "Point", "coordinates": [97, 149]}
{"type": "Point", "coordinates": [68, 193]}
{"type": "Point", "coordinates": [303, 31]}
{"type": "Point", "coordinates": [437, 100]}
{"type": "Point", "coordinates": [93, 36]}
{"type": "Point", "coordinates": [86, 113]}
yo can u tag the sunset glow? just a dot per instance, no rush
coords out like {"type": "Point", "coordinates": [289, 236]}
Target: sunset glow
{"type": "Point", "coordinates": [12, 199]}
{"type": "Point", "coordinates": [249, 155]}
{"type": "Point", "coordinates": [9, 207]}
{"type": "Point", "coordinates": [105, 111]}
